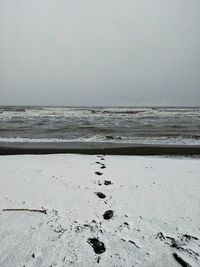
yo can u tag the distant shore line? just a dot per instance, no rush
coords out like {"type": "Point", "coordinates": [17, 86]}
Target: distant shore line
{"type": "Point", "coordinates": [96, 148]}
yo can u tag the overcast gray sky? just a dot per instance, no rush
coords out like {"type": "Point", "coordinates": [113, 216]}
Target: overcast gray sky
{"type": "Point", "coordinates": [100, 52]}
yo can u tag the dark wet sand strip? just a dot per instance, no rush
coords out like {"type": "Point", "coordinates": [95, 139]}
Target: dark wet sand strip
{"type": "Point", "coordinates": [96, 148]}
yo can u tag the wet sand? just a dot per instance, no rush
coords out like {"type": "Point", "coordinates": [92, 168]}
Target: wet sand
{"type": "Point", "coordinates": [94, 148]}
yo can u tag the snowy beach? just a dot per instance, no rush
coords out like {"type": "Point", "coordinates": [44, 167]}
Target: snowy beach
{"type": "Point", "coordinates": [89, 210]}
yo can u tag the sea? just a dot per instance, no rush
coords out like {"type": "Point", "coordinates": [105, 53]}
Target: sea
{"type": "Point", "coordinates": [135, 125]}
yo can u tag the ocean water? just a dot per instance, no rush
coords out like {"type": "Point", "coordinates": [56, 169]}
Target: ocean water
{"type": "Point", "coordinates": [144, 125]}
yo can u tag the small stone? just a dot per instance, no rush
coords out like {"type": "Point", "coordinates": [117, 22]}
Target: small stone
{"type": "Point", "coordinates": [109, 137]}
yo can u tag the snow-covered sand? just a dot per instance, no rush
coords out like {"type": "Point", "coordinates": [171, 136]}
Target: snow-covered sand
{"type": "Point", "coordinates": [155, 203]}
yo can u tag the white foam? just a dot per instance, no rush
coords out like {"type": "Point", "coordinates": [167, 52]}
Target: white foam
{"type": "Point", "coordinates": [95, 112]}
{"type": "Point", "coordinates": [100, 139]}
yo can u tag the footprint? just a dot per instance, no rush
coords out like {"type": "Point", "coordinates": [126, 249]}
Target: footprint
{"type": "Point", "coordinates": [101, 157]}
{"type": "Point", "coordinates": [106, 182]}
{"type": "Point", "coordinates": [97, 162]}
{"type": "Point", "coordinates": [97, 245]}
{"type": "Point", "coordinates": [108, 215]}
{"type": "Point", "coordinates": [100, 195]}
{"type": "Point", "coordinates": [98, 173]}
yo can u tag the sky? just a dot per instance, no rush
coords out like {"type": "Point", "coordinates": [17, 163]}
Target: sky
{"type": "Point", "coordinates": [100, 52]}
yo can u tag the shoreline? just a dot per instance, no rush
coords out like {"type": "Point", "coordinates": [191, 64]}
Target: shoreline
{"type": "Point", "coordinates": [93, 148]}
